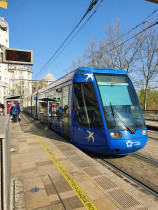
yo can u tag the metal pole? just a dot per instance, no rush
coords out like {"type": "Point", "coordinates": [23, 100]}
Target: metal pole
{"type": "Point", "coordinates": [31, 106]}
{"type": "Point", "coordinates": [36, 104]}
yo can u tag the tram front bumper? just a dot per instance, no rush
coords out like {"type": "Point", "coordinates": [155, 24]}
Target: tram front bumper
{"type": "Point", "coordinates": [120, 146]}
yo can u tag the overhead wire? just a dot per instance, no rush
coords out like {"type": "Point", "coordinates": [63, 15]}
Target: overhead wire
{"type": "Point", "coordinates": [76, 33]}
{"type": "Point", "coordinates": [138, 33]}
{"type": "Point", "coordinates": [102, 1]}
{"type": "Point", "coordinates": [140, 24]}
{"type": "Point", "coordinates": [93, 3]}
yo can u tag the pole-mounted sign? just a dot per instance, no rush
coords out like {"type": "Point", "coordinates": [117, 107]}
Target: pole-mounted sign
{"type": "Point", "coordinates": [17, 56]}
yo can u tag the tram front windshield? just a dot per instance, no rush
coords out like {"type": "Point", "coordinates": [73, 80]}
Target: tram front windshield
{"type": "Point", "coordinates": [120, 103]}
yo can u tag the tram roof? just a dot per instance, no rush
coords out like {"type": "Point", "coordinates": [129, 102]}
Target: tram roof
{"type": "Point", "coordinates": [79, 71]}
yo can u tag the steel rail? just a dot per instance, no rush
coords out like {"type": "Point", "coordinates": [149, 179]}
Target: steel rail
{"type": "Point", "coordinates": [152, 131]}
{"type": "Point", "coordinates": [152, 120]}
{"type": "Point", "coordinates": [147, 158]}
{"type": "Point", "coordinates": [129, 177]}
{"type": "Point", "coordinates": [151, 127]}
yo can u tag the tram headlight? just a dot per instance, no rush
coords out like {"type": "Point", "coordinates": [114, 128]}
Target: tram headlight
{"type": "Point", "coordinates": [115, 135]}
{"type": "Point", "coordinates": [144, 132]}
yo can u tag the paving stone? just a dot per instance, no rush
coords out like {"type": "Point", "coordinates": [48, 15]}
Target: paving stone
{"type": "Point", "coordinates": [105, 203]}
{"type": "Point", "coordinates": [62, 186]}
{"type": "Point", "coordinates": [72, 203]}
{"type": "Point", "coordinates": [57, 178]}
{"type": "Point", "coordinates": [32, 182]}
{"type": "Point", "coordinates": [44, 163]}
{"type": "Point", "coordinates": [36, 200]}
{"type": "Point", "coordinates": [41, 158]}
{"type": "Point", "coordinates": [32, 172]}
{"type": "Point", "coordinates": [45, 169]}
{"type": "Point", "coordinates": [67, 194]}
{"type": "Point", "coordinates": [56, 206]}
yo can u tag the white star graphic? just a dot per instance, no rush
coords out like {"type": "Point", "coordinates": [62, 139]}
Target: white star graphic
{"type": "Point", "coordinates": [88, 76]}
{"type": "Point", "coordinates": [129, 143]}
{"type": "Point", "coordinates": [90, 136]}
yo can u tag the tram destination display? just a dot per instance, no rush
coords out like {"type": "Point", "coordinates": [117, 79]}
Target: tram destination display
{"type": "Point", "coordinates": [17, 56]}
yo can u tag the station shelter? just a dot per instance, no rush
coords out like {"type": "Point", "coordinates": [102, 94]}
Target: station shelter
{"type": "Point", "coordinates": [9, 101]}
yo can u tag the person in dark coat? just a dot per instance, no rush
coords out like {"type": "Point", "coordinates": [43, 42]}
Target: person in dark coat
{"type": "Point", "coordinates": [14, 113]}
{"type": "Point", "coordinates": [18, 111]}
{"type": "Point", "coordinates": [11, 112]}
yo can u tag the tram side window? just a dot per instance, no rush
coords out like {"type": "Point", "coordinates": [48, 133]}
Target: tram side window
{"type": "Point", "coordinates": [86, 106]}
{"type": "Point", "coordinates": [55, 109]}
{"type": "Point", "coordinates": [65, 101]}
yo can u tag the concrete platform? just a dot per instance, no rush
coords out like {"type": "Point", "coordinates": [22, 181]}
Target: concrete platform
{"type": "Point", "coordinates": [47, 172]}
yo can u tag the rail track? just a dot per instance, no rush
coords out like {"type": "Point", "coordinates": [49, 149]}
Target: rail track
{"type": "Point", "coordinates": [137, 167]}
{"type": "Point", "coordinates": [140, 167]}
{"type": "Point", "coordinates": [137, 181]}
{"type": "Point", "coordinates": [151, 160]}
{"type": "Point", "coordinates": [153, 134]}
{"type": "Point", "coordinates": [151, 124]}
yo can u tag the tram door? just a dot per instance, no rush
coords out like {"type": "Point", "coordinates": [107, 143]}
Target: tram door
{"type": "Point", "coordinates": [65, 119]}
{"type": "Point", "coordinates": [86, 115]}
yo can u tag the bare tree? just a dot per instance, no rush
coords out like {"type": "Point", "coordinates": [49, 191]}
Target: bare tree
{"type": "Point", "coordinates": [147, 63]}
{"type": "Point", "coordinates": [118, 51]}
{"type": "Point", "coordinates": [81, 61]}
{"type": "Point", "coordinates": [91, 53]}
{"type": "Point", "coordinates": [114, 52]}
{"type": "Point", "coordinates": [136, 53]}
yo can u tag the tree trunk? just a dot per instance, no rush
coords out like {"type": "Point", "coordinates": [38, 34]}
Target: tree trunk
{"type": "Point", "coordinates": [145, 96]}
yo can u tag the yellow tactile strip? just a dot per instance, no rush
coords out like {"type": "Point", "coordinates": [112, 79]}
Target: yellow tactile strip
{"type": "Point", "coordinates": [79, 192]}
{"type": "Point", "coordinates": [81, 195]}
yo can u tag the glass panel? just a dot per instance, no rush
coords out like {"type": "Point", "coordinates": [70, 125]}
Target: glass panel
{"type": "Point", "coordinates": [55, 109]}
{"type": "Point", "coordinates": [66, 112]}
{"type": "Point", "coordinates": [65, 101]}
{"type": "Point", "coordinates": [120, 102]}
{"type": "Point", "coordinates": [86, 106]}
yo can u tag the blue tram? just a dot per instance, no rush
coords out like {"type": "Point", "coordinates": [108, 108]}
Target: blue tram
{"type": "Point", "coordinates": [96, 109]}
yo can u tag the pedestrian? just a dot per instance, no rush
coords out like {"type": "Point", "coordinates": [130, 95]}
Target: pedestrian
{"type": "Point", "coordinates": [18, 111]}
{"type": "Point", "coordinates": [14, 113]}
{"type": "Point", "coordinates": [11, 112]}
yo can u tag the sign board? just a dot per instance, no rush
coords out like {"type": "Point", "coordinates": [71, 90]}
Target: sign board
{"type": "Point", "coordinates": [17, 56]}
{"type": "Point", "coordinates": [35, 98]}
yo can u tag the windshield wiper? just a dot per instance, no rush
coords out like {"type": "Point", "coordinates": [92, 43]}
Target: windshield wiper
{"type": "Point", "coordinates": [116, 115]}
{"type": "Point", "coordinates": [113, 113]}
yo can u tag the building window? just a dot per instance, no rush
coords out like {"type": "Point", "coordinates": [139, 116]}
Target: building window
{"type": "Point", "coordinates": [12, 76]}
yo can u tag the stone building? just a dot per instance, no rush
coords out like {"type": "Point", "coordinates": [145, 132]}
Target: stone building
{"type": "Point", "coordinates": [20, 80]}
{"type": "Point", "coordinates": [4, 77]}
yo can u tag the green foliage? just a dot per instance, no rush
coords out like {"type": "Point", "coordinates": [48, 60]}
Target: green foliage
{"type": "Point", "coordinates": [152, 99]}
